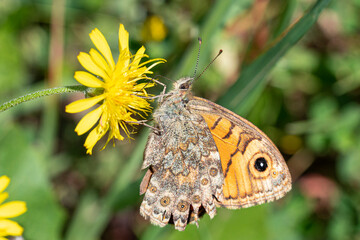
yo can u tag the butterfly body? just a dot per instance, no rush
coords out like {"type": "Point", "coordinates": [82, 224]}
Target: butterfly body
{"type": "Point", "coordinates": [203, 156]}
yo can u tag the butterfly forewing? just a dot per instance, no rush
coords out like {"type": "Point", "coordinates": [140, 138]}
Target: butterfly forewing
{"type": "Point", "coordinates": [254, 170]}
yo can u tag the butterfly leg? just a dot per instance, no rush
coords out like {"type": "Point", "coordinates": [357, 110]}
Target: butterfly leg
{"type": "Point", "coordinates": [163, 91]}
{"type": "Point", "coordinates": [143, 122]}
{"type": "Point", "coordinates": [157, 96]}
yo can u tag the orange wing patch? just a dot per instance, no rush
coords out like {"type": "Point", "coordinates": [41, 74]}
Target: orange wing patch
{"type": "Point", "coordinates": [241, 186]}
{"type": "Point", "coordinates": [224, 133]}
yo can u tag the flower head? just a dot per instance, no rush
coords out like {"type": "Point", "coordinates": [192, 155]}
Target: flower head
{"type": "Point", "coordinates": [118, 89]}
{"type": "Point", "coordinates": [154, 29]}
{"type": "Point", "coordinates": [9, 210]}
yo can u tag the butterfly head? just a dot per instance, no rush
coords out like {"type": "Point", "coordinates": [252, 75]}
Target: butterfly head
{"type": "Point", "coordinates": [181, 90]}
{"type": "Point", "coordinates": [183, 84]}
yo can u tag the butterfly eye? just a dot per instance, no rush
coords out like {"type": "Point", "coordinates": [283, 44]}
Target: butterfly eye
{"type": "Point", "coordinates": [184, 86]}
{"type": "Point", "coordinates": [261, 164]}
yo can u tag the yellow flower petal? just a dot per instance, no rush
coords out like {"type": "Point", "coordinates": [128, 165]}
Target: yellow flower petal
{"type": "Point", "coordinates": [12, 209]}
{"type": "Point", "coordinates": [124, 45]}
{"type": "Point", "coordinates": [156, 60]}
{"type": "Point", "coordinates": [94, 136]}
{"type": "Point", "coordinates": [139, 54]}
{"type": "Point", "coordinates": [88, 79]}
{"type": "Point", "coordinates": [89, 120]}
{"type": "Point", "coordinates": [153, 65]}
{"type": "Point", "coordinates": [3, 197]}
{"type": "Point", "coordinates": [100, 61]}
{"type": "Point", "coordinates": [4, 182]}
{"type": "Point", "coordinates": [83, 104]}
{"type": "Point", "coordinates": [123, 38]}
{"type": "Point", "coordinates": [88, 63]}
{"type": "Point", "coordinates": [122, 66]}
{"type": "Point", "coordinates": [102, 45]}
{"type": "Point", "coordinates": [10, 228]}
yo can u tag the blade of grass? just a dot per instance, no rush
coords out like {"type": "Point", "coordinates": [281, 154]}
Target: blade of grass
{"type": "Point", "coordinates": [285, 17]}
{"type": "Point", "coordinates": [242, 95]}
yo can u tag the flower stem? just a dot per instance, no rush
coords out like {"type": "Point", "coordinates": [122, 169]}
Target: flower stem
{"type": "Point", "coordinates": [41, 93]}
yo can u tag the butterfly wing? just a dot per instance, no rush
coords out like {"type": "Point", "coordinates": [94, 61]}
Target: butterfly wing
{"type": "Point", "coordinates": [184, 176]}
{"type": "Point", "coordinates": [254, 170]}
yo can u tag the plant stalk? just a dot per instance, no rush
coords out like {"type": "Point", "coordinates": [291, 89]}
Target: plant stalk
{"type": "Point", "coordinates": [41, 93]}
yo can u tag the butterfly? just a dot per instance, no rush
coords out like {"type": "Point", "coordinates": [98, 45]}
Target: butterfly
{"type": "Point", "coordinates": [201, 156]}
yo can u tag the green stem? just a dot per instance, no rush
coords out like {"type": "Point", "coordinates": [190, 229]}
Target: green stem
{"type": "Point", "coordinates": [41, 93]}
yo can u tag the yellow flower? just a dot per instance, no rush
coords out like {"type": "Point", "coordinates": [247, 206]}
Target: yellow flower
{"type": "Point", "coordinates": [117, 89]}
{"type": "Point", "coordinates": [154, 29]}
{"type": "Point", "coordinates": [9, 210]}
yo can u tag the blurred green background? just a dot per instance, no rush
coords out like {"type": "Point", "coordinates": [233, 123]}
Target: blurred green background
{"type": "Point", "coordinates": [305, 95]}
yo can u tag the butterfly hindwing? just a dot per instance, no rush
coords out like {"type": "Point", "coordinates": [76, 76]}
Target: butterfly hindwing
{"type": "Point", "coordinates": [185, 171]}
{"type": "Point", "coordinates": [253, 168]}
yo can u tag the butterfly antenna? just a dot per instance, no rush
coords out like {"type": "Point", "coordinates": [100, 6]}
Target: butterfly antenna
{"type": "Point", "coordinates": [198, 57]}
{"type": "Point", "coordinates": [220, 52]}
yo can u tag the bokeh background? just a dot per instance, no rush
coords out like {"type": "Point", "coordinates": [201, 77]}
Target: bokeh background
{"type": "Point", "coordinates": [304, 94]}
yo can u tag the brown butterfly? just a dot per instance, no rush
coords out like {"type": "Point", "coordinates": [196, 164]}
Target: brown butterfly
{"type": "Point", "coordinates": [202, 156]}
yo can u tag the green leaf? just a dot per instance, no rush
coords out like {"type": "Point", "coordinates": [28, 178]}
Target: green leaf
{"type": "Point", "coordinates": [83, 226]}
{"type": "Point", "coordinates": [24, 164]}
{"type": "Point", "coordinates": [285, 17]}
{"type": "Point", "coordinates": [227, 224]}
